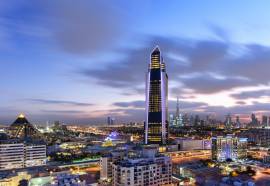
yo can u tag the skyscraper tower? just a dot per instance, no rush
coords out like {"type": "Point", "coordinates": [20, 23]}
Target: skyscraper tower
{"type": "Point", "coordinates": [228, 121]}
{"type": "Point", "coordinates": [177, 108]}
{"type": "Point", "coordinates": [178, 117]}
{"type": "Point", "coordinates": [156, 123]}
{"type": "Point", "coordinates": [238, 123]}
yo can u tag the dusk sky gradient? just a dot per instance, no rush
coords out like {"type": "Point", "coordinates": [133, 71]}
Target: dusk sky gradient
{"type": "Point", "coordinates": [81, 61]}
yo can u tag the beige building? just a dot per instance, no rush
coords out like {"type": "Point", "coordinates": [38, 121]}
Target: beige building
{"type": "Point", "coordinates": [143, 171]}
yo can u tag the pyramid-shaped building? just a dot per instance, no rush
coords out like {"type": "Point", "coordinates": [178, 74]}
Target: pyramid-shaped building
{"type": "Point", "coordinates": [21, 128]}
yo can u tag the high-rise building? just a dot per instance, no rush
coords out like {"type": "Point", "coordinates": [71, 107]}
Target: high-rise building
{"type": "Point", "coordinates": [177, 108]}
{"type": "Point", "coordinates": [110, 120]}
{"type": "Point", "coordinates": [254, 120]}
{"type": "Point", "coordinates": [177, 119]}
{"type": "Point", "coordinates": [171, 120]}
{"type": "Point", "coordinates": [156, 123]}
{"type": "Point", "coordinates": [178, 115]}
{"type": "Point", "coordinates": [237, 123]}
{"type": "Point", "coordinates": [265, 121]}
{"type": "Point", "coordinates": [188, 121]}
{"type": "Point", "coordinates": [229, 147]}
{"type": "Point", "coordinates": [228, 121]}
{"type": "Point", "coordinates": [197, 121]}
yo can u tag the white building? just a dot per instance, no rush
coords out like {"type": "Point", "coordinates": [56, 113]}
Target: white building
{"type": "Point", "coordinates": [35, 155]}
{"type": "Point", "coordinates": [106, 168]}
{"type": "Point", "coordinates": [11, 155]}
{"type": "Point", "coordinates": [14, 155]}
{"type": "Point", "coordinates": [151, 170]}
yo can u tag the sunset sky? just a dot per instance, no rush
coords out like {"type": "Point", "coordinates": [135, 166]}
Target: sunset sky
{"type": "Point", "coordinates": [81, 61]}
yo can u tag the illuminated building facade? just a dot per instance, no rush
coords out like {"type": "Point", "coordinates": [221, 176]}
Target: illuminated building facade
{"type": "Point", "coordinates": [34, 155]}
{"type": "Point", "coordinates": [11, 155]}
{"type": "Point", "coordinates": [228, 121]}
{"type": "Point", "coordinates": [151, 169]}
{"type": "Point", "coordinates": [14, 154]}
{"type": "Point", "coordinates": [156, 124]}
{"type": "Point", "coordinates": [229, 147]}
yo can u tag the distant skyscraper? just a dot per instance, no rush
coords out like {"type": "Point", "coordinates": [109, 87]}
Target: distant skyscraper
{"type": "Point", "coordinates": [187, 121]}
{"type": "Point", "coordinates": [238, 123]}
{"type": "Point", "coordinates": [177, 119]}
{"type": "Point", "coordinates": [254, 120]}
{"type": "Point", "coordinates": [110, 120]}
{"type": "Point", "coordinates": [228, 121]}
{"type": "Point", "coordinates": [178, 116]}
{"type": "Point", "coordinates": [265, 121]}
{"type": "Point", "coordinates": [156, 124]}
{"type": "Point", "coordinates": [197, 121]}
{"type": "Point", "coordinates": [177, 108]}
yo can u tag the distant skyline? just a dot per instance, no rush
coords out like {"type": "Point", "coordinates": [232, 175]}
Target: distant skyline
{"type": "Point", "coordinates": [82, 61]}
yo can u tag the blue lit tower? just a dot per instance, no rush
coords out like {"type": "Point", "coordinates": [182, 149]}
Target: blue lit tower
{"type": "Point", "coordinates": [156, 124]}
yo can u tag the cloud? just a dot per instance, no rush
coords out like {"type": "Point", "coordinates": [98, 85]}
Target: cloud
{"type": "Point", "coordinates": [240, 102]}
{"type": "Point", "coordinates": [207, 84]}
{"type": "Point", "coordinates": [81, 27]}
{"type": "Point", "coordinates": [130, 71]}
{"type": "Point", "coordinates": [84, 26]}
{"type": "Point", "coordinates": [185, 105]}
{"type": "Point", "coordinates": [253, 64]}
{"type": "Point", "coordinates": [251, 94]}
{"type": "Point", "coordinates": [255, 107]}
{"type": "Point", "coordinates": [135, 104]}
{"type": "Point", "coordinates": [62, 111]}
{"type": "Point", "coordinates": [60, 102]}
{"type": "Point", "coordinates": [220, 32]}
{"type": "Point", "coordinates": [204, 66]}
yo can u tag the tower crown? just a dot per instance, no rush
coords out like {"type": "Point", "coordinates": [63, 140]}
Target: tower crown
{"type": "Point", "coordinates": [156, 50]}
{"type": "Point", "coordinates": [156, 59]}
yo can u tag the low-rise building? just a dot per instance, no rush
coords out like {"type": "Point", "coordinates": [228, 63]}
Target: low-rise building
{"type": "Point", "coordinates": [193, 144]}
{"type": "Point", "coordinates": [34, 155]}
{"type": "Point", "coordinates": [16, 154]}
{"type": "Point", "coordinates": [11, 155]}
{"type": "Point", "coordinates": [257, 136]}
{"type": "Point", "coordinates": [149, 169]}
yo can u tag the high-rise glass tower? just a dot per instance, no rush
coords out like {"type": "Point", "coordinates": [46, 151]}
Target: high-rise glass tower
{"type": "Point", "coordinates": [156, 124]}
